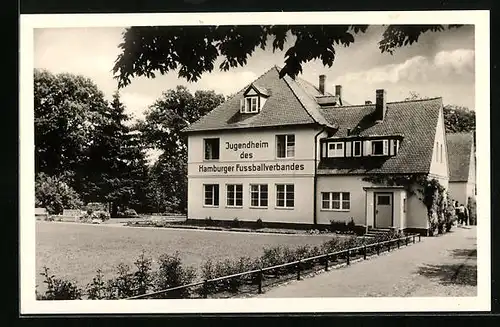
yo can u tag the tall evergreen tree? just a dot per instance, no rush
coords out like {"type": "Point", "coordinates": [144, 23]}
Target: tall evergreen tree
{"type": "Point", "coordinates": [116, 170]}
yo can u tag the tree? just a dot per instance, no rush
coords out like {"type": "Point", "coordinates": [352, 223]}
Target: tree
{"type": "Point", "coordinates": [116, 168]}
{"type": "Point", "coordinates": [161, 130]}
{"type": "Point", "coordinates": [457, 119]}
{"type": "Point", "coordinates": [54, 194]}
{"type": "Point", "coordinates": [66, 109]}
{"type": "Point", "coordinates": [193, 50]}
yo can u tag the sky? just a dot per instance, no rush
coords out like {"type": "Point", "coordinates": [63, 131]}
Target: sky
{"type": "Point", "coordinates": [440, 64]}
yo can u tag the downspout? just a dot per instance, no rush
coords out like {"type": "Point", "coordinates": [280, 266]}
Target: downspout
{"type": "Point", "coordinates": [315, 179]}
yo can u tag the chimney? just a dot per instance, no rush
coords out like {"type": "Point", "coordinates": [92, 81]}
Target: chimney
{"type": "Point", "coordinates": [380, 104]}
{"type": "Point", "coordinates": [338, 91]}
{"type": "Point", "coordinates": [322, 79]}
{"type": "Point", "coordinates": [368, 102]}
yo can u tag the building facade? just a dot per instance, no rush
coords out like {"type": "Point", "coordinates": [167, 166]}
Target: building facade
{"type": "Point", "coordinates": [462, 185]}
{"type": "Point", "coordinates": [287, 152]}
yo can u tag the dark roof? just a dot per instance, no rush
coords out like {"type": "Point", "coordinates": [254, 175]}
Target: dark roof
{"type": "Point", "coordinates": [459, 155]}
{"type": "Point", "coordinates": [291, 102]}
{"type": "Point", "coordinates": [415, 121]}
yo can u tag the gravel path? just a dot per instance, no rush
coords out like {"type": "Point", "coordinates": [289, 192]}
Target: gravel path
{"type": "Point", "coordinates": [438, 266]}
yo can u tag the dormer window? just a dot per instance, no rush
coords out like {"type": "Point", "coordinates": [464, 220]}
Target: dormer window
{"type": "Point", "coordinates": [253, 101]}
{"type": "Point", "coordinates": [380, 148]}
{"type": "Point", "coordinates": [251, 104]}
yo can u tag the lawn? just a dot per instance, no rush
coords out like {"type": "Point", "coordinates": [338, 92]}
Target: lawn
{"type": "Point", "coordinates": [75, 251]}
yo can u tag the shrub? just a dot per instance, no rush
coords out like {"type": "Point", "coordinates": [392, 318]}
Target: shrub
{"type": "Point", "coordinates": [209, 221]}
{"type": "Point", "coordinates": [471, 205]}
{"type": "Point", "coordinates": [259, 224]}
{"type": "Point", "coordinates": [171, 274]}
{"type": "Point", "coordinates": [54, 194]}
{"type": "Point", "coordinates": [142, 277]}
{"type": "Point", "coordinates": [59, 289]}
{"type": "Point", "coordinates": [97, 290]}
{"type": "Point", "coordinates": [338, 226]}
{"type": "Point", "coordinates": [351, 225]}
{"type": "Point", "coordinates": [236, 223]}
{"type": "Point", "coordinates": [123, 285]}
{"type": "Point", "coordinates": [449, 215]}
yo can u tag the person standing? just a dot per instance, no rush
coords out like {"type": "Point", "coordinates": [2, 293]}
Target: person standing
{"type": "Point", "coordinates": [461, 214]}
{"type": "Point", "coordinates": [466, 216]}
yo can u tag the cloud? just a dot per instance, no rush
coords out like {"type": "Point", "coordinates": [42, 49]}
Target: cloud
{"type": "Point", "coordinates": [445, 66]}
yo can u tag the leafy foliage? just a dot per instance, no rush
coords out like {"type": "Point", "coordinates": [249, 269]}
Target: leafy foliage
{"type": "Point", "coordinates": [161, 130]}
{"type": "Point", "coordinates": [171, 274]}
{"type": "Point", "coordinates": [66, 111]}
{"type": "Point", "coordinates": [457, 119]}
{"type": "Point", "coordinates": [86, 141]}
{"type": "Point", "coordinates": [59, 289]}
{"type": "Point", "coordinates": [193, 50]}
{"type": "Point", "coordinates": [54, 194]}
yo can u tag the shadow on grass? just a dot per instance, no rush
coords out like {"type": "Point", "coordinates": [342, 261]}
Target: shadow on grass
{"type": "Point", "coordinates": [464, 253]}
{"type": "Point", "coordinates": [451, 274]}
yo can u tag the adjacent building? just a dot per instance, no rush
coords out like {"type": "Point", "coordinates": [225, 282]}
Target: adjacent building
{"type": "Point", "coordinates": [462, 159]}
{"type": "Point", "coordinates": [287, 152]}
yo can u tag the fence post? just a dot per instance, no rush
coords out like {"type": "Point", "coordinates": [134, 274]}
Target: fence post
{"type": "Point", "coordinates": [298, 270]}
{"type": "Point", "coordinates": [398, 243]}
{"type": "Point", "coordinates": [205, 289]}
{"type": "Point", "coordinates": [326, 262]}
{"type": "Point", "coordinates": [364, 252]}
{"type": "Point", "coordinates": [388, 246]}
{"type": "Point", "coordinates": [413, 238]}
{"type": "Point", "coordinates": [406, 241]}
{"type": "Point", "coordinates": [260, 277]}
{"type": "Point", "coordinates": [378, 249]}
{"type": "Point", "coordinates": [419, 237]}
{"type": "Point", "coordinates": [348, 257]}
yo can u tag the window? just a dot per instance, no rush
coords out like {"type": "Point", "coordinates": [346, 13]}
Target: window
{"type": "Point", "coordinates": [211, 194]}
{"type": "Point", "coordinates": [384, 200]}
{"type": "Point", "coordinates": [357, 149]}
{"type": "Point", "coordinates": [377, 148]}
{"type": "Point", "coordinates": [441, 154]}
{"type": "Point", "coordinates": [336, 149]}
{"type": "Point", "coordinates": [211, 149]}
{"type": "Point", "coordinates": [285, 146]}
{"type": "Point", "coordinates": [251, 105]}
{"type": "Point", "coordinates": [395, 146]}
{"type": "Point", "coordinates": [285, 195]}
{"type": "Point", "coordinates": [404, 205]}
{"type": "Point", "coordinates": [336, 201]}
{"type": "Point", "coordinates": [234, 195]}
{"type": "Point", "coordinates": [258, 195]}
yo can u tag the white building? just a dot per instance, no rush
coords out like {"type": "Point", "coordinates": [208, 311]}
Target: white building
{"type": "Point", "coordinates": [287, 152]}
{"type": "Point", "coordinates": [462, 160]}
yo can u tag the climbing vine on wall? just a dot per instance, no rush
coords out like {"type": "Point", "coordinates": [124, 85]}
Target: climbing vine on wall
{"type": "Point", "coordinates": [429, 191]}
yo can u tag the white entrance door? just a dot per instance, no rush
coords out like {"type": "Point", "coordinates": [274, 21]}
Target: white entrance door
{"type": "Point", "coordinates": [383, 210]}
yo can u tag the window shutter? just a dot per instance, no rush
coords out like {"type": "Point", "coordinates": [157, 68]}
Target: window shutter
{"type": "Point", "coordinates": [391, 147]}
{"type": "Point", "coordinates": [242, 105]}
{"type": "Point", "coordinates": [325, 152]}
{"type": "Point", "coordinates": [386, 147]}
{"type": "Point", "coordinates": [367, 148]}
{"type": "Point", "coordinates": [348, 149]}
{"type": "Point", "coordinates": [258, 103]}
